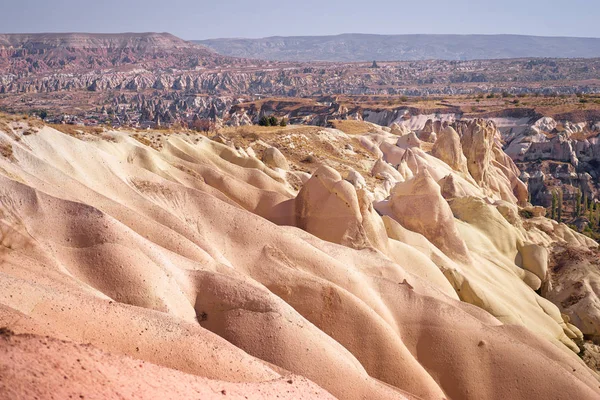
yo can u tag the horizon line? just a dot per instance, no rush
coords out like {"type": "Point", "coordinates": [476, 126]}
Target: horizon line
{"type": "Point", "coordinates": [297, 36]}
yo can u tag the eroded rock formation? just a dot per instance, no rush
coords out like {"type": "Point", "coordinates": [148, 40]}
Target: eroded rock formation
{"type": "Point", "coordinates": [194, 255]}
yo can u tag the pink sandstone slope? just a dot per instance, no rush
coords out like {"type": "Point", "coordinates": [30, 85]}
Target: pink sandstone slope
{"type": "Point", "coordinates": [41, 367]}
{"type": "Point", "coordinates": [201, 259]}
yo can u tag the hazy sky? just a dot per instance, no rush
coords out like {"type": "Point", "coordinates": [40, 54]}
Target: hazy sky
{"type": "Point", "coordinates": [203, 19]}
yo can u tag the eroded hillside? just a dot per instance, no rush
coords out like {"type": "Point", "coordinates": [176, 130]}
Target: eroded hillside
{"type": "Point", "coordinates": [373, 265]}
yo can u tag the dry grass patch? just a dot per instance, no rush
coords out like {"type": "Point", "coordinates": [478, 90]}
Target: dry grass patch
{"type": "Point", "coordinates": [142, 140]}
{"type": "Point", "coordinates": [581, 136]}
{"type": "Point", "coordinates": [6, 150]}
{"type": "Point", "coordinates": [4, 127]}
{"type": "Point", "coordinates": [190, 172]}
{"type": "Point", "coordinates": [352, 127]}
{"type": "Point", "coordinates": [255, 130]}
{"type": "Point", "coordinates": [77, 130]}
{"type": "Point", "coordinates": [5, 119]}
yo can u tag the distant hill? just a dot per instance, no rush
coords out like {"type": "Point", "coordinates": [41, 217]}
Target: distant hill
{"type": "Point", "coordinates": [38, 41]}
{"type": "Point", "coordinates": [80, 52]}
{"type": "Point", "coordinates": [366, 47]}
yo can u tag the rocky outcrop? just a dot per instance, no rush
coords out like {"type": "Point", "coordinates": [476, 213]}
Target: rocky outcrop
{"type": "Point", "coordinates": [399, 130]}
{"type": "Point", "coordinates": [418, 205]}
{"type": "Point", "coordinates": [487, 163]}
{"type": "Point", "coordinates": [573, 287]}
{"type": "Point", "coordinates": [448, 148]}
{"type": "Point", "coordinates": [408, 140]}
{"type": "Point", "coordinates": [273, 158]}
{"type": "Point", "coordinates": [328, 207]}
{"type": "Point", "coordinates": [385, 171]}
{"type": "Point", "coordinates": [534, 258]}
{"type": "Point", "coordinates": [428, 134]}
{"type": "Point", "coordinates": [557, 155]}
{"type": "Point", "coordinates": [477, 139]}
{"type": "Point", "coordinates": [450, 188]}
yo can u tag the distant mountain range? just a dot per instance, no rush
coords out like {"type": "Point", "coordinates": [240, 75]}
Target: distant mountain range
{"type": "Point", "coordinates": [39, 53]}
{"type": "Point", "coordinates": [366, 47]}
{"type": "Point", "coordinates": [77, 40]}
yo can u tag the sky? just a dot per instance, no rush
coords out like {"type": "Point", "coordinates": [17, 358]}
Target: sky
{"type": "Point", "coordinates": [202, 19]}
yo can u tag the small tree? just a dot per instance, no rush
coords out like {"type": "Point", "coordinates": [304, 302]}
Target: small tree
{"type": "Point", "coordinates": [560, 205]}
{"type": "Point", "coordinates": [585, 202]}
{"type": "Point", "coordinates": [283, 122]}
{"type": "Point", "coordinates": [578, 203]}
{"type": "Point", "coordinates": [554, 203]}
{"type": "Point", "coordinates": [43, 114]}
{"type": "Point", "coordinates": [273, 121]}
{"type": "Point", "coordinates": [264, 121]}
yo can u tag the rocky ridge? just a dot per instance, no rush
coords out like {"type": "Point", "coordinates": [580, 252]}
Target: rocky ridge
{"type": "Point", "coordinates": [364, 47]}
{"type": "Point", "coordinates": [43, 63]}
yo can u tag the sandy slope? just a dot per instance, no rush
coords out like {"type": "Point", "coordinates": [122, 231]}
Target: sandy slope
{"type": "Point", "coordinates": [201, 259]}
{"type": "Point", "coordinates": [37, 367]}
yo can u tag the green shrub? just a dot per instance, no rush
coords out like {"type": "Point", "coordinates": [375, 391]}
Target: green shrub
{"type": "Point", "coordinates": [526, 214]}
{"type": "Point", "coordinates": [268, 121]}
